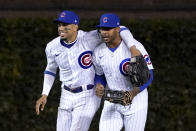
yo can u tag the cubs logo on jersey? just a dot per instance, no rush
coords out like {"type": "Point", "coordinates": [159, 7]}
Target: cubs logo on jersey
{"type": "Point", "coordinates": [147, 59]}
{"type": "Point", "coordinates": [123, 66]}
{"type": "Point", "coordinates": [85, 59]}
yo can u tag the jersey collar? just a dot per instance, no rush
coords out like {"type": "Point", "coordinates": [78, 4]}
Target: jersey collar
{"type": "Point", "coordinates": [63, 43]}
{"type": "Point", "coordinates": [113, 49]}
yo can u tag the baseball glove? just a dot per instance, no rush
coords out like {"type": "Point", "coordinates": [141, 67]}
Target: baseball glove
{"type": "Point", "coordinates": [138, 71]}
{"type": "Point", "coordinates": [119, 97]}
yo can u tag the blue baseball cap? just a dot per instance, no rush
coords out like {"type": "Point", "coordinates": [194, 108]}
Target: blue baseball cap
{"type": "Point", "coordinates": [109, 20]}
{"type": "Point", "coordinates": [68, 17]}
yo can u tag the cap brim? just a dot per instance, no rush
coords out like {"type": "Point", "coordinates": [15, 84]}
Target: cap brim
{"type": "Point", "coordinates": [102, 26]}
{"type": "Point", "coordinates": [57, 21]}
{"type": "Point", "coordinates": [98, 26]}
{"type": "Point", "coordinates": [60, 21]}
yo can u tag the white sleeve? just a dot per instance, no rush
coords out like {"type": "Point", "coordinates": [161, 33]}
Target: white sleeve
{"type": "Point", "coordinates": [145, 54]}
{"type": "Point", "coordinates": [93, 38]}
{"type": "Point", "coordinates": [47, 85]}
{"type": "Point", "coordinates": [51, 63]}
{"type": "Point", "coordinates": [126, 36]}
{"type": "Point", "coordinates": [50, 72]}
{"type": "Point", "coordinates": [98, 68]}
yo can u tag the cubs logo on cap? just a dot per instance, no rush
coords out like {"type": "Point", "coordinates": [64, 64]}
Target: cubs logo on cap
{"type": "Point", "coordinates": [147, 59]}
{"type": "Point", "coordinates": [123, 66]}
{"type": "Point", "coordinates": [63, 14]}
{"type": "Point", "coordinates": [85, 59]}
{"type": "Point", "coordinates": [105, 19]}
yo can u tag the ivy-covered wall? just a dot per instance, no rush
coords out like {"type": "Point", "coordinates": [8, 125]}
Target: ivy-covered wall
{"type": "Point", "coordinates": [170, 43]}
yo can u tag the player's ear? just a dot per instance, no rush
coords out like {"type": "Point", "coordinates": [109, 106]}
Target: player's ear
{"type": "Point", "coordinates": [75, 27]}
{"type": "Point", "coordinates": [118, 29]}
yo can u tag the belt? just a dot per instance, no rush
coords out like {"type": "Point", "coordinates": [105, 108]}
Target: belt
{"type": "Point", "coordinates": [78, 89]}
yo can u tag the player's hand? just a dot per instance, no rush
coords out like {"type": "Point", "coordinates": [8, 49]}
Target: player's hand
{"type": "Point", "coordinates": [41, 102]}
{"type": "Point", "coordinates": [134, 51]}
{"type": "Point", "coordinates": [99, 90]}
{"type": "Point", "coordinates": [134, 92]}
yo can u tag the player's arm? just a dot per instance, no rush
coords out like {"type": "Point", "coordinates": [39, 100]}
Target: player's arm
{"type": "Point", "coordinates": [100, 83]}
{"type": "Point", "coordinates": [141, 72]}
{"type": "Point", "coordinates": [94, 38]}
{"type": "Point", "coordinates": [127, 37]}
{"type": "Point", "coordinates": [145, 85]}
{"type": "Point", "coordinates": [49, 77]}
{"type": "Point", "coordinates": [137, 90]}
{"type": "Point", "coordinates": [100, 80]}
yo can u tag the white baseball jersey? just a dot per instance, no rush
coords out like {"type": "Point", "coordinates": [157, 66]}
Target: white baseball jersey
{"type": "Point", "coordinates": [73, 60]}
{"type": "Point", "coordinates": [112, 63]}
{"type": "Point", "coordinates": [76, 110]}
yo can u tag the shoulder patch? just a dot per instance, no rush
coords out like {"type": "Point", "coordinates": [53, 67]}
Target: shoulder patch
{"type": "Point", "coordinates": [147, 59]}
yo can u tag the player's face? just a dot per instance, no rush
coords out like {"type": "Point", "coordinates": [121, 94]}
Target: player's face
{"type": "Point", "coordinates": [109, 34]}
{"type": "Point", "coordinates": [67, 31]}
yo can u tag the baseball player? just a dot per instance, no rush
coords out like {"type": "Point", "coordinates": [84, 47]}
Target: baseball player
{"type": "Point", "coordinates": [71, 52]}
{"type": "Point", "coordinates": [110, 60]}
